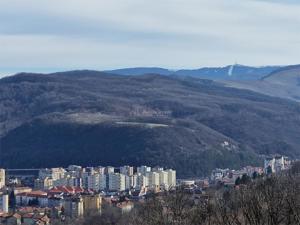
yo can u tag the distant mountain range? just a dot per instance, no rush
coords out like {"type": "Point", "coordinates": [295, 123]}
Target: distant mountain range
{"type": "Point", "coordinates": [190, 124]}
{"type": "Point", "coordinates": [231, 72]}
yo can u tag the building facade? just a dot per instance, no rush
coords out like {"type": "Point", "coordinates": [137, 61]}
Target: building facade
{"type": "Point", "coordinates": [2, 178]}
{"type": "Point", "coordinates": [4, 202]}
{"type": "Point", "coordinates": [116, 182]}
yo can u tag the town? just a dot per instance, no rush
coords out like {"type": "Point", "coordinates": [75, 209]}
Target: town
{"type": "Point", "coordinates": [75, 191]}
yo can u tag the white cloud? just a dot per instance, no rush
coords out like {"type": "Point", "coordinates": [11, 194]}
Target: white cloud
{"type": "Point", "coordinates": [101, 34]}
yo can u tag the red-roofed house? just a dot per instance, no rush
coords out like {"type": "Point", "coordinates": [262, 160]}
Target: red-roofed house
{"type": "Point", "coordinates": [65, 190]}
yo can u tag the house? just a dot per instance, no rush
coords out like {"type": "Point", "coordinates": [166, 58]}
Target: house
{"type": "Point", "coordinates": [38, 198]}
{"type": "Point", "coordinates": [65, 190]}
{"type": "Point", "coordinates": [10, 219]}
{"type": "Point", "coordinates": [18, 190]}
{"type": "Point", "coordinates": [35, 219]}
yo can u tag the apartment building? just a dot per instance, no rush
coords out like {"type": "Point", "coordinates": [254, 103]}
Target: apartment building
{"type": "Point", "coordinates": [4, 202]}
{"type": "Point", "coordinates": [116, 182]}
{"type": "Point", "coordinates": [126, 170]}
{"type": "Point", "coordinates": [2, 178]}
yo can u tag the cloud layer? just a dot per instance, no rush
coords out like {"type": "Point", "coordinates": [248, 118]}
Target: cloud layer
{"type": "Point", "coordinates": [54, 35]}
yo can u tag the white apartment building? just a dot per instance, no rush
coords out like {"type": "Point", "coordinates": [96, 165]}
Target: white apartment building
{"type": "Point", "coordinates": [100, 170]}
{"type": "Point", "coordinates": [109, 169]}
{"type": "Point", "coordinates": [126, 170]}
{"type": "Point", "coordinates": [142, 181]}
{"type": "Point", "coordinates": [85, 178]}
{"type": "Point", "coordinates": [133, 181]}
{"type": "Point", "coordinates": [43, 184]}
{"type": "Point", "coordinates": [74, 170]}
{"type": "Point", "coordinates": [68, 181]}
{"type": "Point", "coordinates": [143, 170]}
{"type": "Point", "coordinates": [153, 179]}
{"type": "Point", "coordinates": [93, 182]}
{"type": "Point", "coordinates": [89, 170]}
{"type": "Point", "coordinates": [97, 182]}
{"type": "Point", "coordinates": [53, 173]}
{"type": "Point", "coordinates": [275, 164]}
{"type": "Point", "coordinates": [2, 178]}
{"type": "Point", "coordinates": [127, 182]}
{"type": "Point", "coordinates": [3, 202]}
{"type": "Point", "coordinates": [163, 179]}
{"type": "Point", "coordinates": [116, 182]}
{"type": "Point", "coordinates": [171, 178]}
{"type": "Point", "coordinates": [105, 178]}
{"type": "Point", "coordinates": [279, 164]}
{"type": "Point", "coordinates": [269, 164]}
{"type": "Point", "coordinates": [102, 182]}
{"type": "Point", "coordinates": [157, 169]}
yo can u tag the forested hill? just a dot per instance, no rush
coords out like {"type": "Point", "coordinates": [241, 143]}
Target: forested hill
{"type": "Point", "coordinates": [93, 118]}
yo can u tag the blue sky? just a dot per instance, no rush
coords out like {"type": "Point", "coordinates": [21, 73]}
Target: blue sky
{"type": "Point", "coordinates": [53, 35]}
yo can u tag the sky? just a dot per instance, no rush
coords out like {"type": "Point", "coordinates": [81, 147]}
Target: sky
{"type": "Point", "coordinates": [58, 35]}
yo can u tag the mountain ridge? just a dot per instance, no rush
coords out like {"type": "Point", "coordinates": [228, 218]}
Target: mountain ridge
{"type": "Point", "coordinates": [230, 72]}
{"type": "Point", "coordinates": [283, 83]}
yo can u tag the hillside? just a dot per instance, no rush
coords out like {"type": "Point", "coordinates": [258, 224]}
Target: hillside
{"type": "Point", "coordinates": [93, 118]}
{"type": "Point", "coordinates": [283, 83]}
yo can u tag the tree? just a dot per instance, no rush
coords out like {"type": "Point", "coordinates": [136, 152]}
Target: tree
{"type": "Point", "coordinates": [245, 179]}
{"type": "Point", "coordinates": [269, 170]}
{"type": "Point", "coordinates": [238, 181]}
{"type": "Point", "coordinates": [255, 175]}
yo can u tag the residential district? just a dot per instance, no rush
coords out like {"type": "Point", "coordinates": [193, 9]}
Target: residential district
{"type": "Point", "coordinates": [40, 196]}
